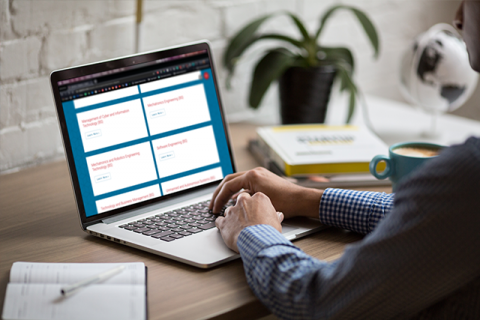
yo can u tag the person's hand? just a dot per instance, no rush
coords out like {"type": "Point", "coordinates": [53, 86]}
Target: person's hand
{"type": "Point", "coordinates": [285, 196]}
{"type": "Point", "coordinates": [248, 211]}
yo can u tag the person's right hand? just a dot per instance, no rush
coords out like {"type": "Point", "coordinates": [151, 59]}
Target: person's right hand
{"type": "Point", "coordinates": [286, 197]}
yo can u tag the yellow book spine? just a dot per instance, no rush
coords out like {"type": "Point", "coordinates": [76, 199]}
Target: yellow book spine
{"type": "Point", "coordinates": [330, 168]}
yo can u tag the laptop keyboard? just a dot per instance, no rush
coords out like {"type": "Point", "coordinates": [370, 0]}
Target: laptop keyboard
{"type": "Point", "coordinates": [176, 224]}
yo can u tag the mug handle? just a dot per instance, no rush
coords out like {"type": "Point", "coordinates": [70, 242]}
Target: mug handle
{"type": "Point", "coordinates": [388, 170]}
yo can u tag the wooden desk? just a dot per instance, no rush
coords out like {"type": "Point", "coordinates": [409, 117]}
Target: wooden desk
{"type": "Point", "coordinates": [39, 223]}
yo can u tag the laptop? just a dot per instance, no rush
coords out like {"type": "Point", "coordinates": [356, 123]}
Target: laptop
{"type": "Point", "coordinates": [146, 142]}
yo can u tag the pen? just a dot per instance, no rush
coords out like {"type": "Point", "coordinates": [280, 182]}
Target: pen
{"type": "Point", "coordinates": [99, 277]}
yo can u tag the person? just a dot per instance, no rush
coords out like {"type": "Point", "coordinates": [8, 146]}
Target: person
{"type": "Point", "coordinates": [420, 258]}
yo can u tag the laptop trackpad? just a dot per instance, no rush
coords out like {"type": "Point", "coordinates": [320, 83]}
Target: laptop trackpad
{"type": "Point", "coordinates": [287, 228]}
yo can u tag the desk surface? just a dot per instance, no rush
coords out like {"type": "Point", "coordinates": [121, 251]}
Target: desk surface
{"type": "Point", "coordinates": [40, 224]}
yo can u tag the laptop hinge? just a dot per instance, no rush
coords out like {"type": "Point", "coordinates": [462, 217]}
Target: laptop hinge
{"type": "Point", "coordinates": [157, 206]}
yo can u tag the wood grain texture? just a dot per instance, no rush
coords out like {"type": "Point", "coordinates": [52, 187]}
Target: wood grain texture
{"type": "Point", "coordinates": [39, 223]}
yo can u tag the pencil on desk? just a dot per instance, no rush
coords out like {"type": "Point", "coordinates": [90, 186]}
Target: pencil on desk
{"type": "Point", "coordinates": [97, 278]}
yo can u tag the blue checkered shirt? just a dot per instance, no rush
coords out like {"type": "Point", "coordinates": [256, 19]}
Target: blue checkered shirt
{"type": "Point", "coordinates": [420, 258]}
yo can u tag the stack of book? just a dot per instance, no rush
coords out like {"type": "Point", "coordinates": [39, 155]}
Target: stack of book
{"type": "Point", "coordinates": [319, 156]}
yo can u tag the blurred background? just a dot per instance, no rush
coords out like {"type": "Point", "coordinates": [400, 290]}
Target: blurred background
{"type": "Point", "coordinates": [37, 37]}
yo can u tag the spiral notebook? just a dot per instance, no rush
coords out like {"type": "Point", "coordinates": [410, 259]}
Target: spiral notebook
{"type": "Point", "coordinates": [34, 292]}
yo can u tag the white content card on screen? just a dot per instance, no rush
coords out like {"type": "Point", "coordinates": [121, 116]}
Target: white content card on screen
{"type": "Point", "coordinates": [108, 126]}
{"type": "Point", "coordinates": [128, 198]}
{"type": "Point", "coordinates": [121, 168]}
{"type": "Point", "coordinates": [185, 151]}
{"type": "Point", "coordinates": [192, 180]}
{"type": "Point", "coordinates": [176, 109]}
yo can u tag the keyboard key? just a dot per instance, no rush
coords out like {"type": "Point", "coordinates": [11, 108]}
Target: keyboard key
{"type": "Point", "coordinates": [207, 226]}
{"type": "Point", "coordinates": [162, 234]}
{"type": "Point", "coordinates": [176, 224]}
{"type": "Point", "coordinates": [150, 232]}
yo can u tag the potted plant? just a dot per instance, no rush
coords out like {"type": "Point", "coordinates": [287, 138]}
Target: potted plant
{"type": "Point", "coordinates": [305, 69]}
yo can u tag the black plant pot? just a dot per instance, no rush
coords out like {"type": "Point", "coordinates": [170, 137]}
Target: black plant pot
{"type": "Point", "coordinates": [304, 94]}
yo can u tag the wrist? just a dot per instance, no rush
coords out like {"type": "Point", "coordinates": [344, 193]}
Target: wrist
{"type": "Point", "coordinates": [308, 202]}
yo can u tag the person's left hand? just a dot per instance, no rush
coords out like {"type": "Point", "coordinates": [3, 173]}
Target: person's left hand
{"type": "Point", "coordinates": [248, 211]}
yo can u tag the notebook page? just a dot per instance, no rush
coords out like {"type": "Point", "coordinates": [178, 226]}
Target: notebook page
{"type": "Point", "coordinates": [44, 301]}
{"type": "Point", "coordinates": [67, 273]}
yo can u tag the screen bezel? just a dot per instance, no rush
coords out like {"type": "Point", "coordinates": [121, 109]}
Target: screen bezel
{"type": "Point", "coordinates": [128, 61]}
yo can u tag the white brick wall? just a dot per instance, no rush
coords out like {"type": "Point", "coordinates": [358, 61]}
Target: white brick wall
{"type": "Point", "coordinates": [19, 58]}
{"type": "Point", "coordinates": [38, 36]}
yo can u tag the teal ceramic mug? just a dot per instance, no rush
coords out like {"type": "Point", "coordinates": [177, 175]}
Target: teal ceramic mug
{"type": "Point", "coordinates": [403, 158]}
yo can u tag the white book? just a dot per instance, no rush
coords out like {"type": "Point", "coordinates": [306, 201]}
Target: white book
{"type": "Point", "coordinates": [302, 150]}
{"type": "Point", "coordinates": [34, 292]}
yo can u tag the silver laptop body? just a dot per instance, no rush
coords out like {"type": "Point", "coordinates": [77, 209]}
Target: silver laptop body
{"type": "Point", "coordinates": [145, 135]}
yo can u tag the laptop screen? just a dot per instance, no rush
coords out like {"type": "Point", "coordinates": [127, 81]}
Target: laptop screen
{"type": "Point", "coordinates": [142, 132]}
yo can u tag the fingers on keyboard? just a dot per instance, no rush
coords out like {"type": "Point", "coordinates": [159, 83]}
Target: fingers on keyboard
{"type": "Point", "coordinates": [176, 224]}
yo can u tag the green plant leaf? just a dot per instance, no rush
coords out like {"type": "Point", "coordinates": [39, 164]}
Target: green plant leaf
{"type": "Point", "coordinates": [241, 41]}
{"type": "Point", "coordinates": [272, 36]}
{"type": "Point", "coordinates": [346, 80]}
{"type": "Point", "coordinates": [269, 68]}
{"type": "Point", "coordinates": [351, 106]}
{"type": "Point", "coordinates": [367, 25]}
{"type": "Point", "coordinates": [369, 29]}
{"type": "Point", "coordinates": [338, 55]}
{"type": "Point", "coordinates": [300, 26]}
{"type": "Point", "coordinates": [324, 19]}
{"type": "Point", "coordinates": [246, 37]}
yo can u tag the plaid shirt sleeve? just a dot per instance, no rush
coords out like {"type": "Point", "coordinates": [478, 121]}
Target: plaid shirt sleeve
{"type": "Point", "coordinates": [278, 272]}
{"type": "Point", "coordinates": [420, 261]}
{"type": "Point", "coordinates": [264, 249]}
{"type": "Point", "coordinates": [358, 211]}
